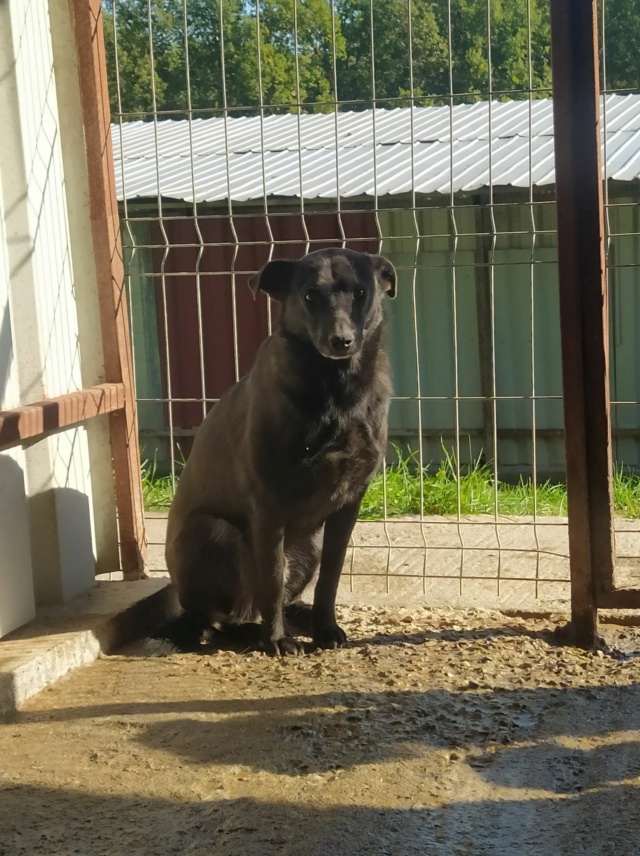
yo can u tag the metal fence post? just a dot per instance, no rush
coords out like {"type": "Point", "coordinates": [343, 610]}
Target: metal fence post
{"type": "Point", "coordinates": [583, 307]}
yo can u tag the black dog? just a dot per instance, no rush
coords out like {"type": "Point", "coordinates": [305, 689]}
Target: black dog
{"type": "Point", "coordinates": [278, 469]}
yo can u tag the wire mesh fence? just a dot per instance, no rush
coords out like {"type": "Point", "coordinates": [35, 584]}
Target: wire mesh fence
{"type": "Point", "coordinates": [622, 225]}
{"type": "Point", "coordinates": [245, 131]}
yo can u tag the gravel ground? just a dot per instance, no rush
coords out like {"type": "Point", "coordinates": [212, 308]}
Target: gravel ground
{"type": "Point", "coordinates": [434, 732]}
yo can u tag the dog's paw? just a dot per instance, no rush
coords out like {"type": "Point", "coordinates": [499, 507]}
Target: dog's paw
{"type": "Point", "coordinates": [330, 637]}
{"type": "Point", "coordinates": [286, 646]}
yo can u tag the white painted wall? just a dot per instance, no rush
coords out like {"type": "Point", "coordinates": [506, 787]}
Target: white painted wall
{"type": "Point", "coordinates": [57, 502]}
{"type": "Point", "coordinates": [17, 602]}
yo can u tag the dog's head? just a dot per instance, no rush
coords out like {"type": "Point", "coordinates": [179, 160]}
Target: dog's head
{"type": "Point", "coordinates": [333, 298]}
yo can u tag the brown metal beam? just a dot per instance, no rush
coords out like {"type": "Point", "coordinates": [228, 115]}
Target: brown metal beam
{"type": "Point", "coordinates": [619, 599]}
{"type": "Point", "coordinates": [55, 414]}
{"type": "Point", "coordinates": [105, 226]}
{"type": "Point", "coordinates": [583, 306]}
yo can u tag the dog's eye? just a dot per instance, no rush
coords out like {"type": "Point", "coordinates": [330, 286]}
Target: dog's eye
{"type": "Point", "coordinates": [359, 294]}
{"type": "Point", "coordinates": [312, 295]}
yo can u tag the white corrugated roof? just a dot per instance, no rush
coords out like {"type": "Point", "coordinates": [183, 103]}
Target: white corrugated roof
{"type": "Point", "coordinates": [427, 149]}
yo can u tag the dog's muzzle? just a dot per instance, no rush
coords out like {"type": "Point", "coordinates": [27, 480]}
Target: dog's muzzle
{"type": "Point", "coordinates": [340, 347]}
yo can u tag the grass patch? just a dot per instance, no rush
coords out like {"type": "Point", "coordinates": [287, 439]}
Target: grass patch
{"type": "Point", "coordinates": [157, 491]}
{"type": "Point", "coordinates": [626, 493]}
{"type": "Point", "coordinates": [447, 492]}
{"type": "Point", "coordinates": [440, 489]}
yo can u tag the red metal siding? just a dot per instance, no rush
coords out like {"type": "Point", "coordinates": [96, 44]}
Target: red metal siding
{"type": "Point", "coordinates": [179, 262]}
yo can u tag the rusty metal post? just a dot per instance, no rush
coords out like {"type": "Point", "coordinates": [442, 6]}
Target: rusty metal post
{"type": "Point", "coordinates": [105, 227]}
{"type": "Point", "coordinates": [583, 307]}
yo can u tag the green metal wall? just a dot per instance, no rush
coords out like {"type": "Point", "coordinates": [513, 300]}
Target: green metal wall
{"type": "Point", "coordinates": [440, 276]}
{"type": "Point", "coordinates": [511, 256]}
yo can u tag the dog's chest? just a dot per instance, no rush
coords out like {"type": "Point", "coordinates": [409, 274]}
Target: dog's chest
{"type": "Point", "coordinates": [338, 457]}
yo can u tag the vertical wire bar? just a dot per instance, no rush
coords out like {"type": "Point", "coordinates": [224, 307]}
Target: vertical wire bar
{"type": "Point", "coordinates": [608, 247]}
{"type": "Point", "coordinates": [454, 302]}
{"type": "Point", "coordinates": [385, 512]}
{"type": "Point", "coordinates": [125, 220]}
{"type": "Point", "coordinates": [232, 225]}
{"type": "Point", "coordinates": [334, 60]}
{"type": "Point", "coordinates": [203, 384]}
{"type": "Point", "coordinates": [534, 444]}
{"type": "Point", "coordinates": [167, 247]}
{"type": "Point", "coordinates": [262, 157]}
{"type": "Point", "coordinates": [583, 308]}
{"type": "Point", "coordinates": [492, 298]}
{"type": "Point", "coordinates": [375, 192]}
{"type": "Point", "coordinates": [414, 276]}
{"type": "Point", "coordinates": [125, 204]}
{"type": "Point", "coordinates": [303, 218]}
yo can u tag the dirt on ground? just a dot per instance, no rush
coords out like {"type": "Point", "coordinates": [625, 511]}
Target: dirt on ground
{"type": "Point", "coordinates": [434, 732]}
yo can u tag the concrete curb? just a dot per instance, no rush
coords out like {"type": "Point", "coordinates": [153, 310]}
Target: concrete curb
{"type": "Point", "coordinates": [64, 637]}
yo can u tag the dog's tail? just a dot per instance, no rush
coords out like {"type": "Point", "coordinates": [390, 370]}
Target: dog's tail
{"type": "Point", "coordinates": [183, 634]}
{"type": "Point", "coordinates": [190, 633]}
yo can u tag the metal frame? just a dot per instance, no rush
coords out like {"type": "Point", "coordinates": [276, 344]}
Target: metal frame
{"type": "Point", "coordinates": [583, 297]}
{"type": "Point", "coordinates": [584, 315]}
{"type": "Point", "coordinates": [116, 396]}
{"type": "Point", "coordinates": [378, 559]}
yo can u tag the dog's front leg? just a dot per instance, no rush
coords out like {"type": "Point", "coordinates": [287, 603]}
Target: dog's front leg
{"type": "Point", "coordinates": [337, 532]}
{"type": "Point", "coordinates": [268, 546]}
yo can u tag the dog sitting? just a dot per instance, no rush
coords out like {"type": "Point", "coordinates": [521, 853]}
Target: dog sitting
{"type": "Point", "coordinates": [273, 485]}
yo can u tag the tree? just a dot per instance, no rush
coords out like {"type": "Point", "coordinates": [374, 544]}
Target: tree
{"type": "Point", "coordinates": [194, 47]}
{"type": "Point", "coordinates": [312, 37]}
{"type": "Point", "coordinates": [283, 52]}
{"type": "Point", "coordinates": [384, 39]}
{"type": "Point", "coordinates": [128, 57]}
{"type": "Point", "coordinates": [512, 62]}
{"type": "Point", "coordinates": [622, 41]}
{"type": "Point", "coordinates": [179, 51]}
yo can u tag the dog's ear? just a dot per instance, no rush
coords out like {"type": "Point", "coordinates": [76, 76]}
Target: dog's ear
{"type": "Point", "coordinates": [274, 279]}
{"type": "Point", "coordinates": [385, 274]}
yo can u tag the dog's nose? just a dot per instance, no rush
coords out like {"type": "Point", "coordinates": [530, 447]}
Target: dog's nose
{"type": "Point", "coordinates": [340, 344]}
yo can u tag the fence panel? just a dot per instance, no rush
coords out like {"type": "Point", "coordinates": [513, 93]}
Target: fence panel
{"type": "Point", "coordinates": [258, 130]}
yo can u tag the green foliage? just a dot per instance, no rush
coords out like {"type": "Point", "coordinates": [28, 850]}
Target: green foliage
{"type": "Point", "coordinates": [309, 36]}
{"type": "Point", "coordinates": [295, 51]}
{"type": "Point", "coordinates": [517, 62]}
{"type": "Point", "coordinates": [450, 490]}
{"type": "Point", "coordinates": [622, 43]}
{"type": "Point", "coordinates": [188, 55]}
{"type": "Point", "coordinates": [392, 31]}
{"type": "Point", "coordinates": [626, 493]}
{"type": "Point", "coordinates": [157, 490]}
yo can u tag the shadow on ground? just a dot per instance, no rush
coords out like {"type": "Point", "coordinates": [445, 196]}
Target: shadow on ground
{"type": "Point", "coordinates": [301, 734]}
{"type": "Point", "coordinates": [334, 754]}
{"type": "Point", "coordinates": [55, 821]}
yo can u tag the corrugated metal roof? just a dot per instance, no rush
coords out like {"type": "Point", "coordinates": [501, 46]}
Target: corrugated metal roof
{"type": "Point", "coordinates": [375, 152]}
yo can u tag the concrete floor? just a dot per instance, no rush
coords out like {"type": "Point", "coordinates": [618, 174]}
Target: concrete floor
{"type": "Point", "coordinates": [441, 732]}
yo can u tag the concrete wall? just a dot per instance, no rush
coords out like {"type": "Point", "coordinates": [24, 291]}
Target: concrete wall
{"type": "Point", "coordinates": [57, 507]}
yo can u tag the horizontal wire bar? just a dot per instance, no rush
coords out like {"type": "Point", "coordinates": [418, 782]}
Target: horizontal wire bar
{"type": "Point", "coordinates": [403, 398]}
{"type": "Point", "coordinates": [330, 105]}
{"type": "Point", "coordinates": [324, 207]}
